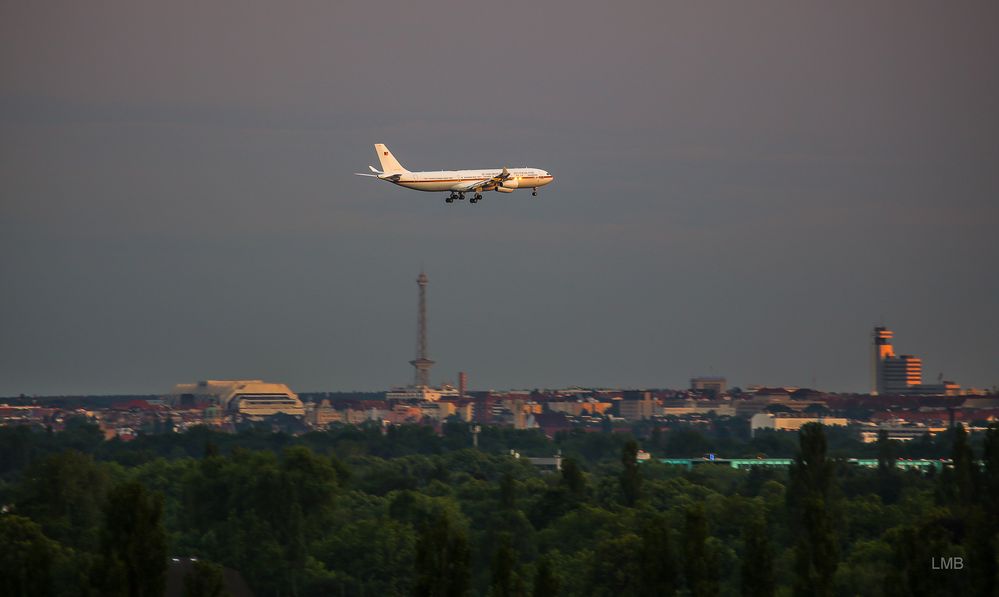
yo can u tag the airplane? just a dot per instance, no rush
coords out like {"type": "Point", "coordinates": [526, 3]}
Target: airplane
{"type": "Point", "coordinates": [458, 182]}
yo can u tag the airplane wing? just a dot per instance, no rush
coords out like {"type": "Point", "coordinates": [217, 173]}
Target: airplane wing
{"type": "Point", "coordinates": [477, 185]}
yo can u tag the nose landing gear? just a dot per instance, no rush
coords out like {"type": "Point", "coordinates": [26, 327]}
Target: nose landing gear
{"type": "Point", "coordinates": [535, 191]}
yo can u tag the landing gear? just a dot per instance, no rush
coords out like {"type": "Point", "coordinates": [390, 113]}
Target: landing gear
{"type": "Point", "coordinates": [461, 196]}
{"type": "Point", "coordinates": [451, 198]}
{"type": "Point", "coordinates": [476, 198]}
{"type": "Point", "coordinates": [535, 193]}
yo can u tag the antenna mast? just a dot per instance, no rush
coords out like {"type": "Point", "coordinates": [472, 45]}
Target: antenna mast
{"type": "Point", "coordinates": [421, 363]}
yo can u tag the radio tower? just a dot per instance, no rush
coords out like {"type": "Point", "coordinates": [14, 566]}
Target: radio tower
{"type": "Point", "coordinates": [421, 363]}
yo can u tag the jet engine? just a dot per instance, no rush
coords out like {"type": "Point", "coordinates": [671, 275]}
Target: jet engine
{"type": "Point", "coordinates": [510, 183]}
{"type": "Point", "coordinates": [505, 189]}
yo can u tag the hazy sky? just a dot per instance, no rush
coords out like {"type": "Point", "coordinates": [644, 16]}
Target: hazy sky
{"type": "Point", "coordinates": [741, 189]}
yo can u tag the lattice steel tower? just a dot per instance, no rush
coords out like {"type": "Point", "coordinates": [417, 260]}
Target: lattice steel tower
{"type": "Point", "coordinates": [421, 363]}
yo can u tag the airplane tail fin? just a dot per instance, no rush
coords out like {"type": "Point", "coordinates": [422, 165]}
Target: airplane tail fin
{"type": "Point", "coordinates": [389, 164]}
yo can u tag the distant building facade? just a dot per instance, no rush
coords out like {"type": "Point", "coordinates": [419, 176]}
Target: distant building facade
{"type": "Point", "coordinates": [422, 393]}
{"type": "Point", "coordinates": [321, 415]}
{"type": "Point", "coordinates": [253, 398]}
{"type": "Point", "coordinates": [636, 405]}
{"type": "Point", "coordinates": [790, 423]}
{"type": "Point", "coordinates": [713, 386]}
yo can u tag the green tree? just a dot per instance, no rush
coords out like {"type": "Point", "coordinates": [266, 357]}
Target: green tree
{"type": "Point", "coordinates": [508, 491]}
{"type": "Point", "coordinates": [27, 557]}
{"type": "Point", "coordinates": [503, 568]}
{"type": "Point", "coordinates": [205, 580]}
{"type": "Point", "coordinates": [960, 483]}
{"type": "Point", "coordinates": [211, 449]}
{"type": "Point", "coordinates": [16, 446]}
{"type": "Point", "coordinates": [990, 480]}
{"type": "Point", "coordinates": [546, 584]}
{"type": "Point", "coordinates": [699, 562]}
{"type": "Point", "coordinates": [631, 477]}
{"type": "Point", "coordinates": [659, 573]}
{"type": "Point", "coordinates": [362, 548]}
{"type": "Point", "coordinates": [442, 560]}
{"type": "Point", "coordinates": [982, 519]}
{"type": "Point", "coordinates": [133, 543]}
{"type": "Point", "coordinates": [573, 479]}
{"type": "Point", "coordinates": [65, 494]}
{"type": "Point", "coordinates": [811, 489]}
{"type": "Point", "coordinates": [889, 485]}
{"type": "Point", "coordinates": [81, 434]}
{"type": "Point", "coordinates": [310, 480]}
{"type": "Point", "coordinates": [915, 549]}
{"type": "Point", "coordinates": [616, 566]}
{"type": "Point", "coordinates": [757, 570]}
{"type": "Point", "coordinates": [990, 528]}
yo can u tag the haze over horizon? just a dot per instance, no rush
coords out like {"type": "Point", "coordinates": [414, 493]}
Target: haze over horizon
{"type": "Point", "coordinates": [740, 190]}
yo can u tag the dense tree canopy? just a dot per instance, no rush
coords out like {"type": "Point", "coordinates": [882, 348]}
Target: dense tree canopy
{"type": "Point", "coordinates": [362, 511]}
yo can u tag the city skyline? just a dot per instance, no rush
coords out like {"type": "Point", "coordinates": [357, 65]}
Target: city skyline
{"type": "Point", "coordinates": [740, 190]}
{"type": "Point", "coordinates": [422, 366]}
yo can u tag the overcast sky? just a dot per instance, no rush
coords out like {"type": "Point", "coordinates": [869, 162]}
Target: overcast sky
{"type": "Point", "coordinates": [741, 189]}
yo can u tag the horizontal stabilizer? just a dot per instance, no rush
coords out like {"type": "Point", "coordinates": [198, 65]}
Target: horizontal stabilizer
{"type": "Point", "coordinates": [388, 177]}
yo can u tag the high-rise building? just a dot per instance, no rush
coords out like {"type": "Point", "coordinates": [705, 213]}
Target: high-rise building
{"type": "Point", "coordinates": [893, 374]}
{"type": "Point", "coordinates": [901, 374]}
{"type": "Point", "coordinates": [882, 351]}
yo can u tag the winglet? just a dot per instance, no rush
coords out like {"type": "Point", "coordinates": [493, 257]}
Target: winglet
{"type": "Point", "coordinates": [375, 170]}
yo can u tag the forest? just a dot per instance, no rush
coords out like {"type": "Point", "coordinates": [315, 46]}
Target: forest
{"type": "Point", "coordinates": [411, 511]}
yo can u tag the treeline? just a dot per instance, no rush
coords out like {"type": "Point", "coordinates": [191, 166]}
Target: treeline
{"type": "Point", "coordinates": [727, 437]}
{"type": "Point", "coordinates": [404, 511]}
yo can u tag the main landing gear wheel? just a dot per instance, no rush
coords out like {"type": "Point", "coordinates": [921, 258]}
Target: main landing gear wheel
{"type": "Point", "coordinates": [477, 198]}
{"type": "Point", "coordinates": [461, 196]}
{"type": "Point", "coordinates": [450, 198]}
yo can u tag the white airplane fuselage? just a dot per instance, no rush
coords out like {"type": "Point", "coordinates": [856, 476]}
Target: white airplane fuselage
{"type": "Point", "coordinates": [456, 180]}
